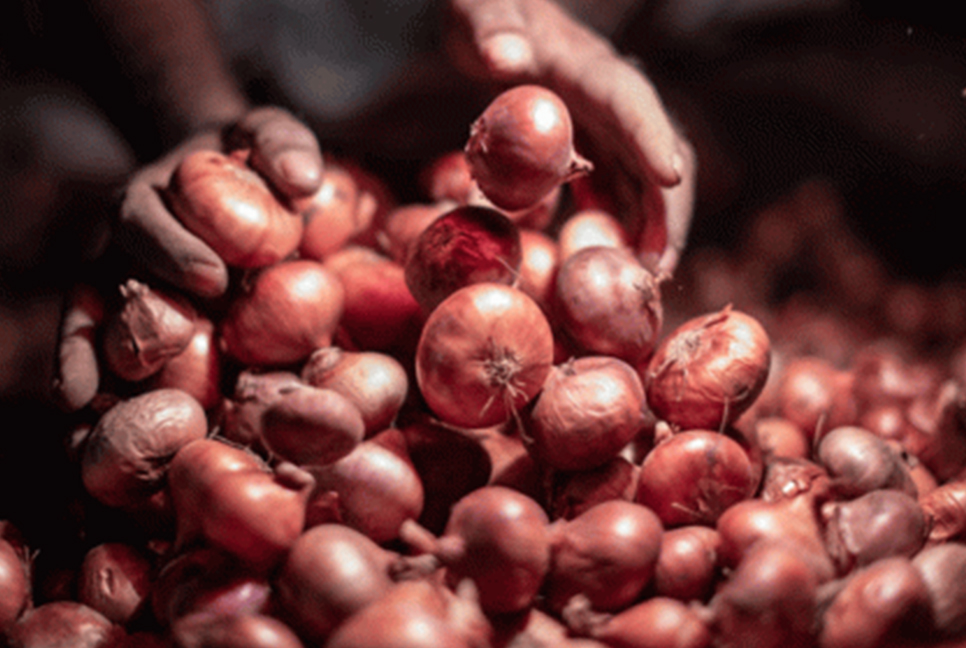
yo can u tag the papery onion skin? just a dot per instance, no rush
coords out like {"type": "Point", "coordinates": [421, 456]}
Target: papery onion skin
{"type": "Point", "coordinates": [608, 303]}
{"type": "Point", "coordinates": [483, 354]}
{"type": "Point", "coordinates": [588, 410]}
{"type": "Point", "coordinates": [521, 147]}
{"type": "Point", "coordinates": [709, 370]}
{"type": "Point", "coordinates": [230, 207]}
{"type": "Point", "coordinates": [292, 309]}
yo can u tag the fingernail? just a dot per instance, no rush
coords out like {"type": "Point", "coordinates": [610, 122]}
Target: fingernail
{"type": "Point", "coordinates": [300, 170]}
{"type": "Point", "coordinates": [508, 54]}
{"type": "Point", "coordinates": [677, 165]}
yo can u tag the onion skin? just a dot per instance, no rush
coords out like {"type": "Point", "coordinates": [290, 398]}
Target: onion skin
{"type": "Point", "coordinates": [376, 383]}
{"type": "Point", "coordinates": [64, 623]}
{"type": "Point", "coordinates": [943, 570]}
{"type": "Point", "coordinates": [812, 393]}
{"type": "Point", "coordinates": [608, 554]}
{"type": "Point", "coordinates": [254, 393]}
{"type": "Point", "coordinates": [573, 493]}
{"type": "Point", "coordinates": [521, 147]}
{"type": "Point", "coordinates": [608, 303]}
{"type": "Point", "coordinates": [150, 328]}
{"type": "Point", "coordinates": [332, 216]}
{"type": "Point", "coordinates": [330, 573]}
{"type": "Point", "coordinates": [292, 309]}
{"type": "Point", "coordinates": [127, 454]}
{"type": "Point", "coordinates": [588, 410]}
{"type": "Point", "coordinates": [945, 508]}
{"type": "Point", "coordinates": [709, 370]}
{"type": "Point", "coordinates": [483, 354]}
{"type": "Point", "coordinates": [230, 207]}
{"type": "Point", "coordinates": [658, 622]}
{"type": "Point", "coordinates": [693, 477]}
{"type": "Point", "coordinates": [464, 246]}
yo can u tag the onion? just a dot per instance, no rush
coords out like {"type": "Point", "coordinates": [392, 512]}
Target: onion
{"type": "Point", "coordinates": [815, 395]}
{"type": "Point", "coordinates": [573, 493]}
{"type": "Point", "coordinates": [333, 215]}
{"type": "Point", "coordinates": [483, 354]}
{"type": "Point", "coordinates": [945, 509]}
{"type": "Point", "coordinates": [310, 426]}
{"type": "Point", "coordinates": [233, 631]}
{"type": "Point", "coordinates": [227, 497]}
{"type": "Point", "coordinates": [14, 586]}
{"type": "Point", "coordinates": [521, 147]}
{"type": "Point", "coordinates": [693, 477]}
{"type": "Point", "coordinates": [372, 489]}
{"type": "Point", "coordinates": [589, 228]}
{"type": "Point", "coordinates": [880, 524]}
{"type": "Point", "coordinates": [511, 464]}
{"type": "Point", "coordinates": [943, 570]}
{"type": "Point", "coordinates": [588, 410]}
{"type": "Point", "coordinates": [330, 573]}
{"type": "Point", "coordinates": [150, 328]}
{"type": "Point", "coordinates": [658, 622]}
{"type": "Point", "coordinates": [499, 539]}
{"type": "Point", "coordinates": [64, 623]}
{"type": "Point", "coordinates": [467, 245]}
{"type": "Point", "coordinates": [291, 309]}
{"type": "Point", "coordinates": [884, 602]}
{"type": "Point", "coordinates": [770, 600]}
{"type": "Point", "coordinates": [859, 462]}
{"type": "Point", "coordinates": [447, 177]}
{"type": "Point", "coordinates": [230, 207]}
{"type": "Point", "coordinates": [376, 383]}
{"type": "Point", "coordinates": [114, 579]}
{"type": "Point", "coordinates": [779, 437]}
{"type": "Point", "coordinates": [687, 567]}
{"type": "Point", "coordinates": [197, 369]}
{"type": "Point", "coordinates": [127, 455]}
{"type": "Point", "coordinates": [608, 303]}
{"type": "Point", "coordinates": [415, 614]}
{"type": "Point", "coordinates": [379, 312]}
{"type": "Point", "coordinates": [404, 225]}
{"type": "Point", "coordinates": [538, 266]}
{"type": "Point", "coordinates": [709, 370]}
{"type": "Point", "coordinates": [607, 553]}
{"type": "Point", "coordinates": [207, 581]}
{"type": "Point", "coordinates": [254, 393]}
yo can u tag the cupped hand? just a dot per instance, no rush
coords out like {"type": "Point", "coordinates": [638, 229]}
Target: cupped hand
{"type": "Point", "coordinates": [645, 168]}
{"type": "Point", "coordinates": [283, 150]}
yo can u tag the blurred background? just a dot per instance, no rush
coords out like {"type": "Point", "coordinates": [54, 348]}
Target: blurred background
{"type": "Point", "coordinates": [830, 137]}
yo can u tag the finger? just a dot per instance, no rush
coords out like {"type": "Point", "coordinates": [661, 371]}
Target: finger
{"type": "Point", "coordinates": [77, 375]}
{"type": "Point", "coordinates": [154, 237]}
{"type": "Point", "coordinates": [284, 150]}
{"type": "Point", "coordinates": [496, 33]}
{"type": "Point", "coordinates": [668, 212]}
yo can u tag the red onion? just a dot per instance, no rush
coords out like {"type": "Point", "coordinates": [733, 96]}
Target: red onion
{"type": "Point", "coordinates": [943, 570]}
{"type": "Point", "coordinates": [573, 493]}
{"type": "Point", "coordinates": [254, 393]}
{"type": "Point", "coordinates": [588, 410]}
{"type": "Point", "coordinates": [376, 383]}
{"type": "Point", "coordinates": [859, 462]}
{"type": "Point", "coordinates": [483, 354]}
{"type": "Point", "coordinates": [709, 370]}
{"type": "Point", "coordinates": [687, 567]}
{"type": "Point", "coordinates": [333, 215]}
{"type": "Point", "coordinates": [538, 266]}
{"type": "Point", "coordinates": [14, 585]}
{"type": "Point", "coordinates": [197, 369]}
{"type": "Point", "coordinates": [127, 455]}
{"type": "Point", "coordinates": [589, 228]}
{"type": "Point", "coordinates": [608, 303]}
{"type": "Point", "coordinates": [114, 579]}
{"type": "Point", "coordinates": [521, 147]}
{"type": "Point", "coordinates": [693, 477]}
{"type": "Point", "coordinates": [291, 309]}
{"type": "Point", "coordinates": [607, 553]}
{"type": "Point", "coordinates": [467, 245]}
{"type": "Point", "coordinates": [330, 573]}
{"type": "Point", "coordinates": [64, 623]}
{"type": "Point", "coordinates": [148, 329]}
{"type": "Point", "coordinates": [233, 631]}
{"type": "Point", "coordinates": [658, 622]}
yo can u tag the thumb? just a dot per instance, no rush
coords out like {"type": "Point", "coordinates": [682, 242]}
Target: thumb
{"type": "Point", "coordinates": [493, 38]}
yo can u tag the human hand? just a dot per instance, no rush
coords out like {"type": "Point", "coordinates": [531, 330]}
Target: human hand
{"type": "Point", "coordinates": [283, 150]}
{"type": "Point", "coordinates": [644, 167]}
